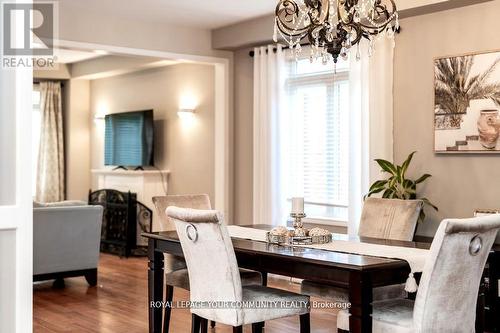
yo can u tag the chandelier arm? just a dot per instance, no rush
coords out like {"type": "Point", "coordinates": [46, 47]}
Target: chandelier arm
{"type": "Point", "coordinates": [334, 29]}
{"type": "Point", "coordinates": [292, 34]}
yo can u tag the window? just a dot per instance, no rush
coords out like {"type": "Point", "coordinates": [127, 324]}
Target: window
{"type": "Point", "coordinates": [36, 124]}
{"type": "Point", "coordinates": [316, 132]}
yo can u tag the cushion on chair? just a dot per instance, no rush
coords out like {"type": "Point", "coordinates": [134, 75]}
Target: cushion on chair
{"type": "Point", "coordinates": [173, 263]}
{"type": "Point", "coordinates": [324, 291]}
{"type": "Point", "coordinates": [394, 311]}
{"type": "Point", "coordinates": [249, 277]}
{"type": "Point", "coordinates": [180, 278]}
{"type": "Point", "coordinates": [388, 316]}
{"type": "Point", "coordinates": [265, 294]}
{"type": "Point", "coordinates": [336, 294]}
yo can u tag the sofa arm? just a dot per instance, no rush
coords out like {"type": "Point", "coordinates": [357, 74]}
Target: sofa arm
{"type": "Point", "coordinates": [66, 238]}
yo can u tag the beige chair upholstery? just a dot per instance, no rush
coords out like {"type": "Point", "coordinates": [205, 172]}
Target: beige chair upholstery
{"type": "Point", "coordinates": [214, 274]}
{"type": "Point", "coordinates": [381, 218]}
{"type": "Point", "coordinates": [448, 290]}
{"type": "Point", "coordinates": [389, 218]}
{"type": "Point", "coordinates": [194, 201]}
{"type": "Point", "coordinates": [175, 267]}
{"type": "Point", "coordinates": [176, 274]}
{"type": "Point", "coordinates": [180, 278]}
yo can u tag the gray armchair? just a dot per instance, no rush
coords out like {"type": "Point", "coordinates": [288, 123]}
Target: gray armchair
{"type": "Point", "coordinates": [66, 242]}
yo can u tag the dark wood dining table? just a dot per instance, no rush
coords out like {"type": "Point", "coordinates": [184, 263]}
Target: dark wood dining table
{"type": "Point", "coordinates": [358, 274]}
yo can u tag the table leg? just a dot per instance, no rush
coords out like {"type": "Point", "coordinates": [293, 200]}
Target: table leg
{"type": "Point", "coordinates": [155, 287]}
{"type": "Point", "coordinates": [360, 296]}
{"type": "Point", "coordinates": [264, 278]}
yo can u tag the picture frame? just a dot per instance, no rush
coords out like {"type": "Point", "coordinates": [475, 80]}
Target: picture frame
{"type": "Point", "coordinates": [466, 103]}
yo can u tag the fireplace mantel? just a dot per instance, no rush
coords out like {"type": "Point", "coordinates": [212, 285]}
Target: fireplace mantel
{"type": "Point", "coordinates": [145, 183]}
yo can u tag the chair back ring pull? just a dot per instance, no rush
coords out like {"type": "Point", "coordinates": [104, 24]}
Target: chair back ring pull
{"type": "Point", "coordinates": [192, 232]}
{"type": "Point", "coordinates": [475, 245]}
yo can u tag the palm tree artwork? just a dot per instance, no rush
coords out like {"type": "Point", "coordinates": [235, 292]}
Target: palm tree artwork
{"type": "Point", "coordinates": [456, 85]}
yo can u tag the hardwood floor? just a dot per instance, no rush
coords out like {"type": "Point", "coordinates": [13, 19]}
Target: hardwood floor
{"type": "Point", "coordinates": [119, 304]}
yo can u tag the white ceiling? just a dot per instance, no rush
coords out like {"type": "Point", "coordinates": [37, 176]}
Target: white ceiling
{"type": "Point", "coordinates": [208, 14]}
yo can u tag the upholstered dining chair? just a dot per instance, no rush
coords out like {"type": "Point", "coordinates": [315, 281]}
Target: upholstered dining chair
{"type": "Point", "coordinates": [176, 273]}
{"type": "Point", "coordinates": [214, 278]}
{"type": "Point", "coordinates": [381, 218]}
{"type": "Point", "coordinates": [450, 281]}
{"type": "Point", "coordinates": [389, 218]}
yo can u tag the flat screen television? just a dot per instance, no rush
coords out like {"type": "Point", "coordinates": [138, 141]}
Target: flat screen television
{"type": "Point", "coordinates": [129, 139]}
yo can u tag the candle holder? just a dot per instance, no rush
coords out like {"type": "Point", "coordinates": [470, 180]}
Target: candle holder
{"type": "Point", "coordinates": [297, 220]}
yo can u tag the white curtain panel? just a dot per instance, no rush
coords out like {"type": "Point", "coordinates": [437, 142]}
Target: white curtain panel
{"type": "Point", "coordinates": [50, 170]}
{"type": "Point", "coordinates": [371, 120]}
{"type": "Point", "coordinates": [268, 205]}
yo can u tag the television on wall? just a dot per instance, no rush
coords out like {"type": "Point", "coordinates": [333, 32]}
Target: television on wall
{"type": "Point", "coordinates": [128, 139]}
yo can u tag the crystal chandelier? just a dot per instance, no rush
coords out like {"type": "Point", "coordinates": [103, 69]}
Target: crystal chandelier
{"type": "Point", "coordinates": [332, 27]}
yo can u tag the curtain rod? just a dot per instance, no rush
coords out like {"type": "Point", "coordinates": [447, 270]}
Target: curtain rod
{"type": "Point", "coordinates": [252, 53]}
{"type": "Point", "coordinates": [37, 81]}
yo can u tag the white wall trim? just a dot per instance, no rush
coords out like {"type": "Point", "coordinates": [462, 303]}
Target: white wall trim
{"type": "Point", "coordinates": [223, 98]}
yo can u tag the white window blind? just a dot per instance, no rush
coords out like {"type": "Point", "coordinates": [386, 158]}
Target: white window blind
{"type": "Point", "coordinates": [315, 128]}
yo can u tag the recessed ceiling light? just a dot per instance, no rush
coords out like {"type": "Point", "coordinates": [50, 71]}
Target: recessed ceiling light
{"type": "Point", "coordinates": [101, 52]}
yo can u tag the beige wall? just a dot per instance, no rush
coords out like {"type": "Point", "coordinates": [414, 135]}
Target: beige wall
{"type": "Point", "coordinates": [186, 148]}
{"type": "Point", "coordinates": [77, 138]}
{"type": "Point", "coordinates": [460, 183]}
{"type": "Point", "coordinates": [243, 137]}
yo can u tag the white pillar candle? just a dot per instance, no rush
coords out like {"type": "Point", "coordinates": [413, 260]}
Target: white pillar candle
{"type": "Point", "coordinates": [298, 205]}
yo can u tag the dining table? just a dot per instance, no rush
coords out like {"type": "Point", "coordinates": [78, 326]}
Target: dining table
{"type": "Point", "coordinates": [357, 274]}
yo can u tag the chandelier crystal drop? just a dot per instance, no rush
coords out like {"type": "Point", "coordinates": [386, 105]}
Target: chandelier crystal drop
{"type": "Point", "coordinates": [332, 27]}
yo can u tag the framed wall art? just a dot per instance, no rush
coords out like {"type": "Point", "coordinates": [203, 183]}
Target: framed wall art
{"type": "Point", "coordinates": [467, 103]}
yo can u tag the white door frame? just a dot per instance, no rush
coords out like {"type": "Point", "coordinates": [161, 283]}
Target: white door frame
{"type": "Point", "coordinates": [16, 216]}
{"type": "Point", "coordinates": [223, 98]}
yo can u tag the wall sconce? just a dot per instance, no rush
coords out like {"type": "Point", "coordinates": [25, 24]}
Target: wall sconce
{"type": "Point", "coordinates": [99, 117]}
{"type": "Point", "coordinates": [185, 113]}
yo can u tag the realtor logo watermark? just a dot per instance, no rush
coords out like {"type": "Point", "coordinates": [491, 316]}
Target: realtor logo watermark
{"type": "Point", "coordinates": [29, 31]}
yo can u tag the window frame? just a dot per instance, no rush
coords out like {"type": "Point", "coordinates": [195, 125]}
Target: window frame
{"type": "Point", "coordinates": [319, 78]}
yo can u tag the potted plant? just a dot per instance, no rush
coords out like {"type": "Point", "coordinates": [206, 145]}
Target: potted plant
{"type": "Point", "coordinates": [397, 186]}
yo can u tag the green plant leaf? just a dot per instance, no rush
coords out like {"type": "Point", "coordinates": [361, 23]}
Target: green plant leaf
{"type": "Point", "coordinates": [375, 191]}
{"type": "Point", "coordinates": [397, 186]}
{"type": "Point", "coordinates": [388, 194]}
{"type": "Point", "coordinates": [422, 178]}
{"type": "Point", "coordinates": [410, 186]}
{"type": "Point", "coordinates": [391, 182]}
{"type": "Point", "coordinates": [399, 174]}
{"type": "Point", "coordinates": [421, 217]}
{"type": "Point", "coordinates": [406, 163]}
{"type": "Point", "coordinates": [386, 166]}
{"type": "Point", "coordinates": [427, 202]}
{"type": "Point", "coordinates": [377, 184]}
